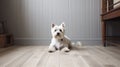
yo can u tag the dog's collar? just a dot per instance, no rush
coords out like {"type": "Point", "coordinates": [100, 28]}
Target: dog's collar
{"type": "Point", "coordinates": [61, 39]}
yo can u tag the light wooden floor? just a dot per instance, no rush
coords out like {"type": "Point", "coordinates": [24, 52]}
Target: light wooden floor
{"type": "Point", "coordinates": [37, 56]}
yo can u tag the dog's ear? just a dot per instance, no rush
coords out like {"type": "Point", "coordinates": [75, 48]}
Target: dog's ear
{"type": "Point", "coordinates": [52, 25]}
{"type": "Point", "coordinates": [63, 24]}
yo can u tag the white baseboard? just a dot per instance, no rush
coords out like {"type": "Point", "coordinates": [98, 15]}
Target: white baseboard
{"type": "Point", "coordinates": [40, 41]}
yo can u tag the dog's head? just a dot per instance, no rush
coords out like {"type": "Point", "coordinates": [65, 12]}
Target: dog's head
{"type": "Point", "coordinates": [58, 31]}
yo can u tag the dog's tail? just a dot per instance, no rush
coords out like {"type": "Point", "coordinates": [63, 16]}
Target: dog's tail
{"type": "Point", "coordinates": [78, 44]}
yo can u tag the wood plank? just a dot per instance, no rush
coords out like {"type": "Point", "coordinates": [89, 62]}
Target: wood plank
{"type": "Point", "coordinates": [104, 6]}
{"type": "Point", "coordinates": [91, 61]}
{"type": "Point", "coordinates": [20, 60]}
{"type": "Point", "coordinates": [38, 56]}
{"type": "Point", "coordinates": [72, 59]}
{"type": "Point", "coordinates": [53, 60]}
{"type": "Point", "coordinates": [11, 55]}
{"type": "Point", "coordinates": [34, 59]}
{"type": "Point", "coordinates": [104, 58]}
{"type": "Point", "coordinates": [87, 58]}
{"type": "Point", "coordinates": [114, 55]}
{"type": "Point", "coordinates": [114, 49]}
{"type": "Point", "coordinates": [43, 60]}
{"type": "Point", "coordinates": [66, 60]}
{"type": "Point", "coordinates": [112, 15]}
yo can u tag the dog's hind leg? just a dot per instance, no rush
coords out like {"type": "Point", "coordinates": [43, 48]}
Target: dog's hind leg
{"type": "Point", "coordinates": [66, 48]}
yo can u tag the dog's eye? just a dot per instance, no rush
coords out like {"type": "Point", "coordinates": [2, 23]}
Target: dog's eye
{"type": "Point", "coordinates": [60, 30]}
{"type": "Point", "coordinates": [55, 30]}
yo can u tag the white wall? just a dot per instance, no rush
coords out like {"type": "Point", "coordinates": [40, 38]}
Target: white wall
{"type": "Point", "coordinates": [30, 20]}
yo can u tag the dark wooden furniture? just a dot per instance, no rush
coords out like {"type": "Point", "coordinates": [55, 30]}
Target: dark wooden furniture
{"type": "Point", "coordinates": [5, 39]}
{"type": "Point", "coordinates": [110, 17]}
{"type": "Point", "coordinates": [2, 27]}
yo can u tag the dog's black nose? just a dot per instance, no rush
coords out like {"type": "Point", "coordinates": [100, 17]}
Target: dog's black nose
{"type": "Point", "coordinates": [58, 33]}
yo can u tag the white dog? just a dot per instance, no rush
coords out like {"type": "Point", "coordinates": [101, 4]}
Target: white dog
{"type": "Point", "coordinates": [59, 40]}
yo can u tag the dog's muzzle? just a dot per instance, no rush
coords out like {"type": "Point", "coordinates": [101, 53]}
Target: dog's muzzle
{"type": "Point", "coordinates": [58, 34]}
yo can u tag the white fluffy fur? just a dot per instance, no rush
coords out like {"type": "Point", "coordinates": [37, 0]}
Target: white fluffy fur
{"type": "Point", "coordinates": [60, 41]}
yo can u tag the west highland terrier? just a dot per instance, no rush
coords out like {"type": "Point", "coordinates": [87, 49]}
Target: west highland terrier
{"type": "Point", "coordinates": [59, 40]}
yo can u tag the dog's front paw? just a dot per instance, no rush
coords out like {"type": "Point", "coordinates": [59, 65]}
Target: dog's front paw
{"type": "Point", "coordinates": [65, 49]}
{"type": "Point", "coordinates": [50, 50]}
